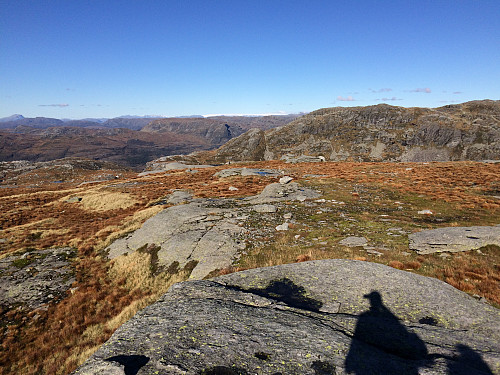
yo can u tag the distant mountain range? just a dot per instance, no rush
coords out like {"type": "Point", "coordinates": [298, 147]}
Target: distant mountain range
{"type": "Point", "coordinates": [467, 131]}
{"type": "Point", "coordinates": [128, 141]}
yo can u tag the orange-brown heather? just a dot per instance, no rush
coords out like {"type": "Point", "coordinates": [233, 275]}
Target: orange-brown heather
{"type": "Point", "coordinates": [107, 293]}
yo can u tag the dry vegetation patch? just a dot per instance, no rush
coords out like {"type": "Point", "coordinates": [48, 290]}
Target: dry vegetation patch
{"type": "Point", "coordinates": [106, 200]}
{"type": "Point", "coordinates": [379, 201]}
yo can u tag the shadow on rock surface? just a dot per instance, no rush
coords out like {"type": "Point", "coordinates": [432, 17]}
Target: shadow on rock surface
{"type": "Point", "coordinates": [468, 362]}
{"type": "Point", "coordinates": [286, 291]}
{"type": "Point", "coordinates": [132, 363]}
{"type": "Point", "coordinates": [224, 370]}
{"type": "Point", "coordinates": [378, 329]}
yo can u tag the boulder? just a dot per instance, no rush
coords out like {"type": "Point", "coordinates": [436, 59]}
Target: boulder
{"type": "Point", "coordinates": [320, 317]}
{"type": "Point", "coordinates": [285, 180]}
{"type": "Point", "coordinates": [454, 239]}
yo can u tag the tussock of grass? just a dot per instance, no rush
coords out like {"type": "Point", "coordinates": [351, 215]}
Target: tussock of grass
{"type": "Point", "coordinates": [106, 200]}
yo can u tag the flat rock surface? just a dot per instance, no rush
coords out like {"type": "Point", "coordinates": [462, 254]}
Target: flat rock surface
{"type": "Point", "coordinates": [159, 167]}
{"type": "Point", "coordinates": [277, 192]}
{"type": "Point", "coordinates": [353, 241]}
{"type": "Point", "coordinates": [207, 231]}
{"type": "Point", "coordinates": [36, 277]}
{"type": "Point", "coordinates": [454, 239]}
{"type": "Point", "coordinates": [248, 172]}
{"type": "Point", "coordinates": [321, 317]}
{"type": "Point", "coordinates": [204, 231]}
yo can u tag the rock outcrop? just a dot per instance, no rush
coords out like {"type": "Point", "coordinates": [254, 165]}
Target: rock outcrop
{"type": "Point", "coordinates": [208, 233]}
{"type": "Point", "coordinates": [454, 239]}
{"type": "Point", "coordinates": [468, 131]}
{"type": "Point", "coordinates": [36, 277]}
{"type": "Point", "coordinates": [321, 317]}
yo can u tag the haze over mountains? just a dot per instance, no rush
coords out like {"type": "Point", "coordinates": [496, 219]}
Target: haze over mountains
{"type": "Point", "coordinates": [467, 131]}
{"type": "Point", "coordinates": [128, 141]}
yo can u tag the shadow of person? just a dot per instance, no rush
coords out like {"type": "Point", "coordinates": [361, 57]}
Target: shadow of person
{"type": "Point", "coordinates": [382, 345]}
{"type": "Point", "coordinates": [131, 363]}
{"type": "Point", "coordinates": [468, 362]}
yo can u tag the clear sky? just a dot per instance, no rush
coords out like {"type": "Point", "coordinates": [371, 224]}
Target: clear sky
{"type": "Point", "coordinates": [104, 58]}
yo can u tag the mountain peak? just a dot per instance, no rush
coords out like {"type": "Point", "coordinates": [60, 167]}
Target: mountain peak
{"type": "Point", "coordinates": [12, 118]}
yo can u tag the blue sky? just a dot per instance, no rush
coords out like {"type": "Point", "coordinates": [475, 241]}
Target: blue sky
{"type": "Point", "coordinates": [103, 58]}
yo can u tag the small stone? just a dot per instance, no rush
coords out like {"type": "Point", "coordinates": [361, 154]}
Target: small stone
{"type": "Point", "coordinates": [232, 188]}
{"type": "Point", "coordinates": [297, 236]}
{"type": "Point", "coordinates": [264, 208]}
{"type": "Point", "coordinates": [285, 180]}
{"type": "Point", "coordinates": [425, 212]}
{"type": "Point", "coordinates": [353, 241]}
{"type": "Point", "coordinates": [444, 255]}
{"type": "Point", "coordinates": [374, 252]}
{"type": "Point", "coordinates": [287, 215]}
{"type": "Point", "coordinates": [405, 253]}
{"type": "Point", "coordinates": [282, 227]}
{"type": "Point", "coordinates": [74, 200]}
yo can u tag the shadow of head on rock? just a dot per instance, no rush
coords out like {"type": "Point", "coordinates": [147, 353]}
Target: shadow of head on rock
{"type": "Point", "coordinates": [467, 362]}
{"type": "Point", "coordinates": [382, 343]}
{"type": "Point", "coordinates": [323, 368]}
{"type": "Point", "coordinates": [132, 363]}
{"type": "Point", "coordinates": [223, 370]}
{"type": "Point", "coordinates": [286, 291]}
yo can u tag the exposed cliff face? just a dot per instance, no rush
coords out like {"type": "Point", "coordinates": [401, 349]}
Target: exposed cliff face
{"type": "Point", "coordinates": [216, 133]}
{"type": "Point", "coordinates": [216, 130]}
{"type": "Point", "coordinates": [468, 131]}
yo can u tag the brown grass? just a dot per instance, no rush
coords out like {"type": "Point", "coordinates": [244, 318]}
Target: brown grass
{"type": "Point", "coordinates": [396, 264]}
{"type": "Point", "coordinates": [57, 340]}
{"type": "Point", "coordinates": [303, 258]}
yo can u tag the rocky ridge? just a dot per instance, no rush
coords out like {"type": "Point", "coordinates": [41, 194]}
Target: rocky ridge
{"type": "Point", "coordinates": [468, 131]}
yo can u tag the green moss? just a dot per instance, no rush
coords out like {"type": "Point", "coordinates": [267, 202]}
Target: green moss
{"type": "Point", "coordinates": [22, 262]}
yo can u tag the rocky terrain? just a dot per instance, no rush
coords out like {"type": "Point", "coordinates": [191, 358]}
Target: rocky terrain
{"type": "Point", "coordinates": [130, 142]}
{"type": "Point", "coordinates": [126, 147]}
{"type": "Point", "coordinates": [468, 131]}
{"type": "Point", "coordinates": [91, 244]}
{"type": "Point", "coordinates": [322, 317]}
